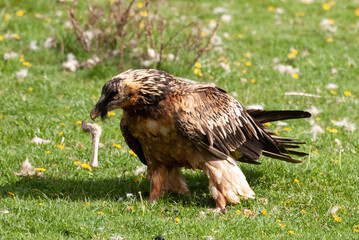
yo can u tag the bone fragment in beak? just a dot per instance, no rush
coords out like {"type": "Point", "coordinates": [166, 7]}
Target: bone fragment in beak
{"type": "Point", "coordinates": [95, 131]}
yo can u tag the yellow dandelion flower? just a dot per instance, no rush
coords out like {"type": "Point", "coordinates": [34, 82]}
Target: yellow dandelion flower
{"type": "Point", "coordinates": [329, 40]}
{"type": "Point", "coordinates": [282, 225]}
{"type": "Point", "coordinates": [1, 38]}
{"type": "Point", "coordinates": [77, 162]}
{"type": "Point", "coordinates": [333, 92]}
{"type": "Point", "coordinates": [110, 114]}
{"type": "Point", "coordinates": [267, 124]}
{"type": "Point", "coordinates": [321, 174]}
{"type": "Point", "coordinates": [296, 181]}
{"type": "Point", "coordinates": [287, 129]}
{"type": "Point", "coordinates": [142, 25]}
{"type": "Point", "coordinates": [356, 12]}
{"type": "Point", "coordinates": [100, 213]}
{"type": "Point", "coordinates": [211, 77]}
{"type": "Point", "coordinates": [291, 232]}
{"type": "Point", "coordinates": [333, 130]}
{"type": "Point", "coordinates": [131, 208]}
{"type": "Point", "coordinates": [253, 80]}
{"type": "Point", "coordinates": [244, 71]}
{"type": "Point", "coordinates": [61, 147]}
{"type": "Point", "coordinates": [27, 64]}
{"type": "Point", "coordinates": [356, 230]}
{"type": "Point", "coordinates": [41, 169]}
{"type": "Point", "coordinates": [336, 218]}
{"type": "Point", "coordinates": [144, 14]}
{"type": "Point", "coordinates": [239, 35]}
{"type": "Point", "coordinates": [347, 93]}
{"type": "Point", "coordinates": [317, 118]}
{"type": "Point", "coordinates": [332, 3]}
{"type": "Point", "coordinates": [178, 220]}
{"type": "Point", "coordinates": [331, 21]}
{"type": "Point", "coordinates": [303, 211]}
{"type": "Point", "coordinates": [279, 220]}
{"type": "Point", "coordinates": [140, 5]}
{"type": "Point", "coordinates": [248, 64]}
{"type": "Point", "coordinates": [86, 204]}
{"type": "Point", "coordinates": [47, 152]}
{"type": "Point", "coordinates": [41, 204]}
{"type": "Point", "coordinates": [315, 151]}
{"type": "Point", "coordinates": [61, 133]}
{"type": "Point", "coordinates": [326, 6]}
{"type": "Point", "coordinates": [7, 16]}
{"type": "Point", "coordinates": [291, 55]}
{"type": "Point", "coordinates": [271, 9]}
{"type": "Point", "coordinates": [62, 124]}
{"type": "Point", "coordinates": [1, 117]}
{"type": "Point", "coordinates": [264, 212]}
{"type": "Point", "coordinates": [117, 145]}
{"type": "Point", "coordinates": [132, 153]}
{"type": "Point", "coordinates": [12, 194]}
{"type": "Point", "coordinates": [86, 166]}
{"type": "Point", "coordinates": [16, 36]}
{"type": "Point", "coordinates": [48, 19]}
{"type": "Point", "coordinates": [203, 34]}
{"type": "Point", "coordinates": [31, 89]}
{"type": "Point", "coordinates": [142, 176]}
{"type": "Point", "coordinates": [239, 212]}
{"type": "Point", "coordinates": [294, 51]}
{"type": "Point", "coordinates": [198, 72]}
{"type": "Point", "coordinates": [67, 107]}
{"type": "Point", "coordinates": [287, 202]}
{"type": "Point", "coordinates": [79, 122]}
{"type": "Point", "coordinates": [20, 13]}
{"type": "Point", "coordinates": [295, 75]}
{"type": "Point", "coordinates": [248, 55]}
{"type": "Point", "coordinates": [198, 65]}
{"type": "Point", "coordinates": [22, 58]}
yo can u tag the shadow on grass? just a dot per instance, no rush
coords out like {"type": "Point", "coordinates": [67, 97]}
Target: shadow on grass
{"type": "Point", "coordinates": [111, 189]}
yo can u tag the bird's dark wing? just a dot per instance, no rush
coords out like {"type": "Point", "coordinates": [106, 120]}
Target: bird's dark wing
{"type": "Point", "coordinates": [131, 141]}
{"type": "Point", "coordinates": [215, 121]}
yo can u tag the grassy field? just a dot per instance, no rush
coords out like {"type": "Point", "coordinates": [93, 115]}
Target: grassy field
{"type": "Point", "coordinates": [318, 37]}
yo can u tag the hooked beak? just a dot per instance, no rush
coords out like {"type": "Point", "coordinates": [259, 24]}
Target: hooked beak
{"type": "Point", "coordinates": [99, 109]}
{"type": "Point", "coordinates": [94, 113]}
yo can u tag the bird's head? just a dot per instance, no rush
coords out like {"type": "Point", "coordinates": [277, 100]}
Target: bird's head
{"type": "Point", "coordinates": [133, 88]}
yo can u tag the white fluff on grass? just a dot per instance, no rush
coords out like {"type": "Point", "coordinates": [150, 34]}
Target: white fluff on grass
{"type": "Point", "coordinates": [22, 73]}
{"type": "Point", "coordinates": [71, 63]}
{"type": "Point", "coordinates": [38, 140]}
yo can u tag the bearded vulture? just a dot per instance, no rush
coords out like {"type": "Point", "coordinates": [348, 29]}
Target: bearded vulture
{"type": "Point", "coordinates": [171, 123]}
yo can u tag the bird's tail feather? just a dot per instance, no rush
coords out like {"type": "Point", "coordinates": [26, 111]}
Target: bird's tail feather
{"type": "Point", "coordinates": [263, 116]}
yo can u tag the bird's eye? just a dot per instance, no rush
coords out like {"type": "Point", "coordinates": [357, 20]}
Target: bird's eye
{"type": "Point", "coordinates": [116, 96]}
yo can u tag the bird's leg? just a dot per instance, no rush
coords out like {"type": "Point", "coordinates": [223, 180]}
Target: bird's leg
{"type": "Point", "coordinates": [157, 174]}
{"type": "Point", "coordinates": [227, 183]}
{"type": "Point", "coordinates": [175, 182]}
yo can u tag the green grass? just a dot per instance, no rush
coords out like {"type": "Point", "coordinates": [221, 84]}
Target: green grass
{"type": "Point", "coordinates": [56, 206]}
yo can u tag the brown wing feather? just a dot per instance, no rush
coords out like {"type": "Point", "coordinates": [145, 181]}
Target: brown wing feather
{"type": "Point", "coordinates": [215, 121]}
{"type": "Point", "coordinates": [131, 141]}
